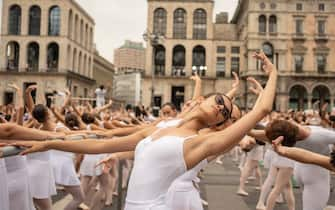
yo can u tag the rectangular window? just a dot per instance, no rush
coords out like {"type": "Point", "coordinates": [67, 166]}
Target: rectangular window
{"type": "Point", "coordinates": [235, 65]}
{"type": "Point", "coordinates": [321, 63]}
{"type": "Point", "coordinates": [299, 28]}
{"type": "Point", "coordinates": [299, 7]}
{"type": "Point", "coordinates": [321, 7]}
{"type": "Point", "coordinates": [221, 49]}
{"type": "Point", "coordinates": [321, 27]}
{"type": "Point", "coordinates": [299, 63]}
{"type": "Point", "coordinates": [220, 66]}
{"type": "Point", "coordinates": [235, 50]}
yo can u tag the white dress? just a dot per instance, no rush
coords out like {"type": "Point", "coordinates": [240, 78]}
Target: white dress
{"type": "Point", "coordinates": [63, 166]}
{"type": "Point", "coordinates": [18, 186]}
{"type": "Point", "coordinates": [41, 177]}
{"type": "Point", "coordinates": [4, 199]}
{"type": "Point", "coordinates": [157, 164]}
{"type": "Point", "coordinates": [182, 193]}
{"type": "Point", "coordinates": [88, 165]}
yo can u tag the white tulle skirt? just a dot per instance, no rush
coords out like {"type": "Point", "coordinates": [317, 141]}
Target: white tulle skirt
{"type": "Point", "coordinates": [4, 199]}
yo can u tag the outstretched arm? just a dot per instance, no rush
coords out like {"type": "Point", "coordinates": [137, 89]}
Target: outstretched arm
{"type": "Point", "coordinates": [198, 86]}
{"type": "Point", "coordinates": [13, 131]}
{"type": "Point", "coordinates": [207, 145]}
{"type": "Point", "coordinates": [303, 156]}
{"type": "Point", "coordinates": [121, 144]}
{"type": "Point", "coordinates": [29, 99]}
{"type": "Point", "coordinates": [232, 93]}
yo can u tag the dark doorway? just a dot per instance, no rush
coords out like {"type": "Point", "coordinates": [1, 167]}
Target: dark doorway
{"type": "Point", "coordinates": [48, 99]}
{"type": "Point", "coordinates": [158, 101]}
{"type": "Point", "coordinates": [9, 98]}
{"type": "Point", "coordinates": [33, 93]}
{"type": "Point", "coordinates": [178, 95]}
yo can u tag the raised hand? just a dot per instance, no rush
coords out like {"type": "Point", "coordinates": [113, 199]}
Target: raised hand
{"type": "Point", "coordinates": [14, 86]}
{"type": "Point", "coordinates": [236, 83]}
{"type": "Point", "coordinates": [256, 88]}
{"type": "Point", "coordinates": [195, 77]}
{"type": "Point", "coordinates": [107, 163]}
{"type": "Point", "coordinates": [31, 88]}
{"type": "Point", "coordinates": [267, 65]}
{"type": "Point", "coordinates": [277, 146]}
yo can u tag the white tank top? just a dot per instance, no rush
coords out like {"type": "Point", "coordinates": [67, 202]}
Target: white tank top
{"type": "Point", "coordinates": [157, 164]}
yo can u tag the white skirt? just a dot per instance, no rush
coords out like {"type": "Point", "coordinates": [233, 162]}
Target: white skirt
{"type": "Point", "coordinates": [256, 153]}
{"type": "Point", "coordinates": [4, 199]}
{"type": "Point", "coordinates": [268, 158]}
{"type": "Point", "coordinates": [282, 162]}
{"type": "Point", "coordinates": [41, 177]}
{"type": "Point", "coordinates": [183, 196]}
{"type": "Point", "coordinates": [88, 166]}
{"type": "Point", "coordinates": [63, 168]}
{"type": "Point", "coordinates": [18, 187]}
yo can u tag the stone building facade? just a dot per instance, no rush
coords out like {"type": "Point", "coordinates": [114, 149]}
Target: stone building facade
{"type": "Point", "coordinates": [130, 57]}
{"type": "Point", "coordinates": [296, 34]}
{"type": "Point", "coordinates": [48, 43]}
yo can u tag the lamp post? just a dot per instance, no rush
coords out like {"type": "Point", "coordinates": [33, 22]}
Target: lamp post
{"type": "Point", "coordinates": [201, 70]}
{"type": "Point", "coordinates": [154, 39]}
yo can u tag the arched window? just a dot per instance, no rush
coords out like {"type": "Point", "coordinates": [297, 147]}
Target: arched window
{"type": "Point", "coordinates": [69, 57]}
{"type": "Point", "coordinates": [159, 60]}
{"type": "Point", "coordinates": [76, 28]}
{"type": "Point", "coordinates": [13, 56]}
{"type": "Point", "coordinates": [179, 24]}
{"type": "Point", "coordinates": [34, 20]}
{"type": "Point", "coordinates": [268, 51]}
{"type": "Point", "coordinates": [178, 61]}
{"type": "Point", "coordinates": [84, 66]}
{"type": "Point", "coordinates": [33, 52]}
{"type": "Point", "coordinates": [321, 93]}
{"type": "Point", "coordinates": [86, 35]}
{"type": "Point", "coordinates": [298, 98]}
{"type": "Point", "coordinates": [70, 24]}
{"type": "Point", "coordinates": [74, 64]}
{"type": "Point", "coordinates": [54, 21]}
{"type": "Point", "coordinates": [160, 21]}
{"type": "Point", "coordinates": [199, 24]}
{"type": "Point", "coordinates": [81, 31]}
{"type": "Point", "coordinates": [14, 20]}
{"type": "Point", "coordinates": [79, 63]}
{"type": "Point", "coordinates": [53, 56]}
{"type": "Point", "coordinates": [199, 60]}
{"type": "Point", "coordinates": [273, 24]}
{"type": "Point", "coordinates": [262, 24]}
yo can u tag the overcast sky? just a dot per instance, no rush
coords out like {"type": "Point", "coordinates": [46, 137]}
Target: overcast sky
{"type": "Point", "coordinates": [118, 20]}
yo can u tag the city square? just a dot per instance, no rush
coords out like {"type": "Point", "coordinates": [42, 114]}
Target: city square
{"type": "Point", "coordinates": [243, 89]}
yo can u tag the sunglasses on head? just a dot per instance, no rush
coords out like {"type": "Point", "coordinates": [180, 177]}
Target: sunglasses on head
{"type": "Point", "coordinates": [226, 113]}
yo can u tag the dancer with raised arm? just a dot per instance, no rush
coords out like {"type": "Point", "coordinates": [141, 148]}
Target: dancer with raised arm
{"type": "Point", "coordinates": [170, 152]}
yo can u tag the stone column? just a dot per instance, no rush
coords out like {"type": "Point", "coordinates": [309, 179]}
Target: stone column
{"type": "Point", "coordinates": [310, 97]}
{"type": "Point", "coordinates": [168, 60]}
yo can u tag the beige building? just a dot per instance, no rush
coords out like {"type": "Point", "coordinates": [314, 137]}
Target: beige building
{"type": "Point", "coordinates": [48, 43]}
{"type": "Point", "coordinates": [130, 57]}
{"type": "Point", "coordinates": [296, 34]}
{"type": "Point", "coordinates": [103, 73]}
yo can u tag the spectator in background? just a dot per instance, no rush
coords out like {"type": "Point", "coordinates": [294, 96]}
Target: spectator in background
{"type": "Point", "coordinates": [100, 95]}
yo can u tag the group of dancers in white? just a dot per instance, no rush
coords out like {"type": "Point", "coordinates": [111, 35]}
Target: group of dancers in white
{"type": "Point", "coordinates": [168, 154]}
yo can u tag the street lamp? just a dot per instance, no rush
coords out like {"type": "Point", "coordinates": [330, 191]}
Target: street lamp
{"type": "Point", "coordinates": [201, 70]}
{"type": "Point", "coordinates": [154, 39]}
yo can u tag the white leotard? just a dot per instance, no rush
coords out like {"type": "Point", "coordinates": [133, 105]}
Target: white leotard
{"type": "Point", "coordinates": [63, 166]}
{"type": "Point", "coordinates": [18, 183]}
{"type": "Point", "coordinates": [157, 164]}
{"type": "Point", "coordinates": [4, 199]}
{"type": "Point", "coordinates": [182, 193]}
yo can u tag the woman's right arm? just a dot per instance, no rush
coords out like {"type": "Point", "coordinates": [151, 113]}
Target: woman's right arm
{"type": "Point", "coordinates": [204, 146]}
{"type": "Point", "coordinates": [303, 156]}
{"type": "Point", "coordinates": [121, 144]}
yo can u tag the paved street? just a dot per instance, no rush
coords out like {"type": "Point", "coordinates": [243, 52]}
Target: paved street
{"type": "Point", "coordinates": [218, 188]}
{"type": "Point", "coordinates": [220, 185]}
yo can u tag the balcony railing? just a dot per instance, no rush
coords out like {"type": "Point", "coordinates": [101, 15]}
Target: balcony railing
{"type": "Point", "coordinates": [178, 72]}
{"type": "Point", "coordinates": [298, 37]}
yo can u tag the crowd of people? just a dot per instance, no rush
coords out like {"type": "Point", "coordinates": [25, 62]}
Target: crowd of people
{"type": "Point", "coordinates": [77, 148]}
